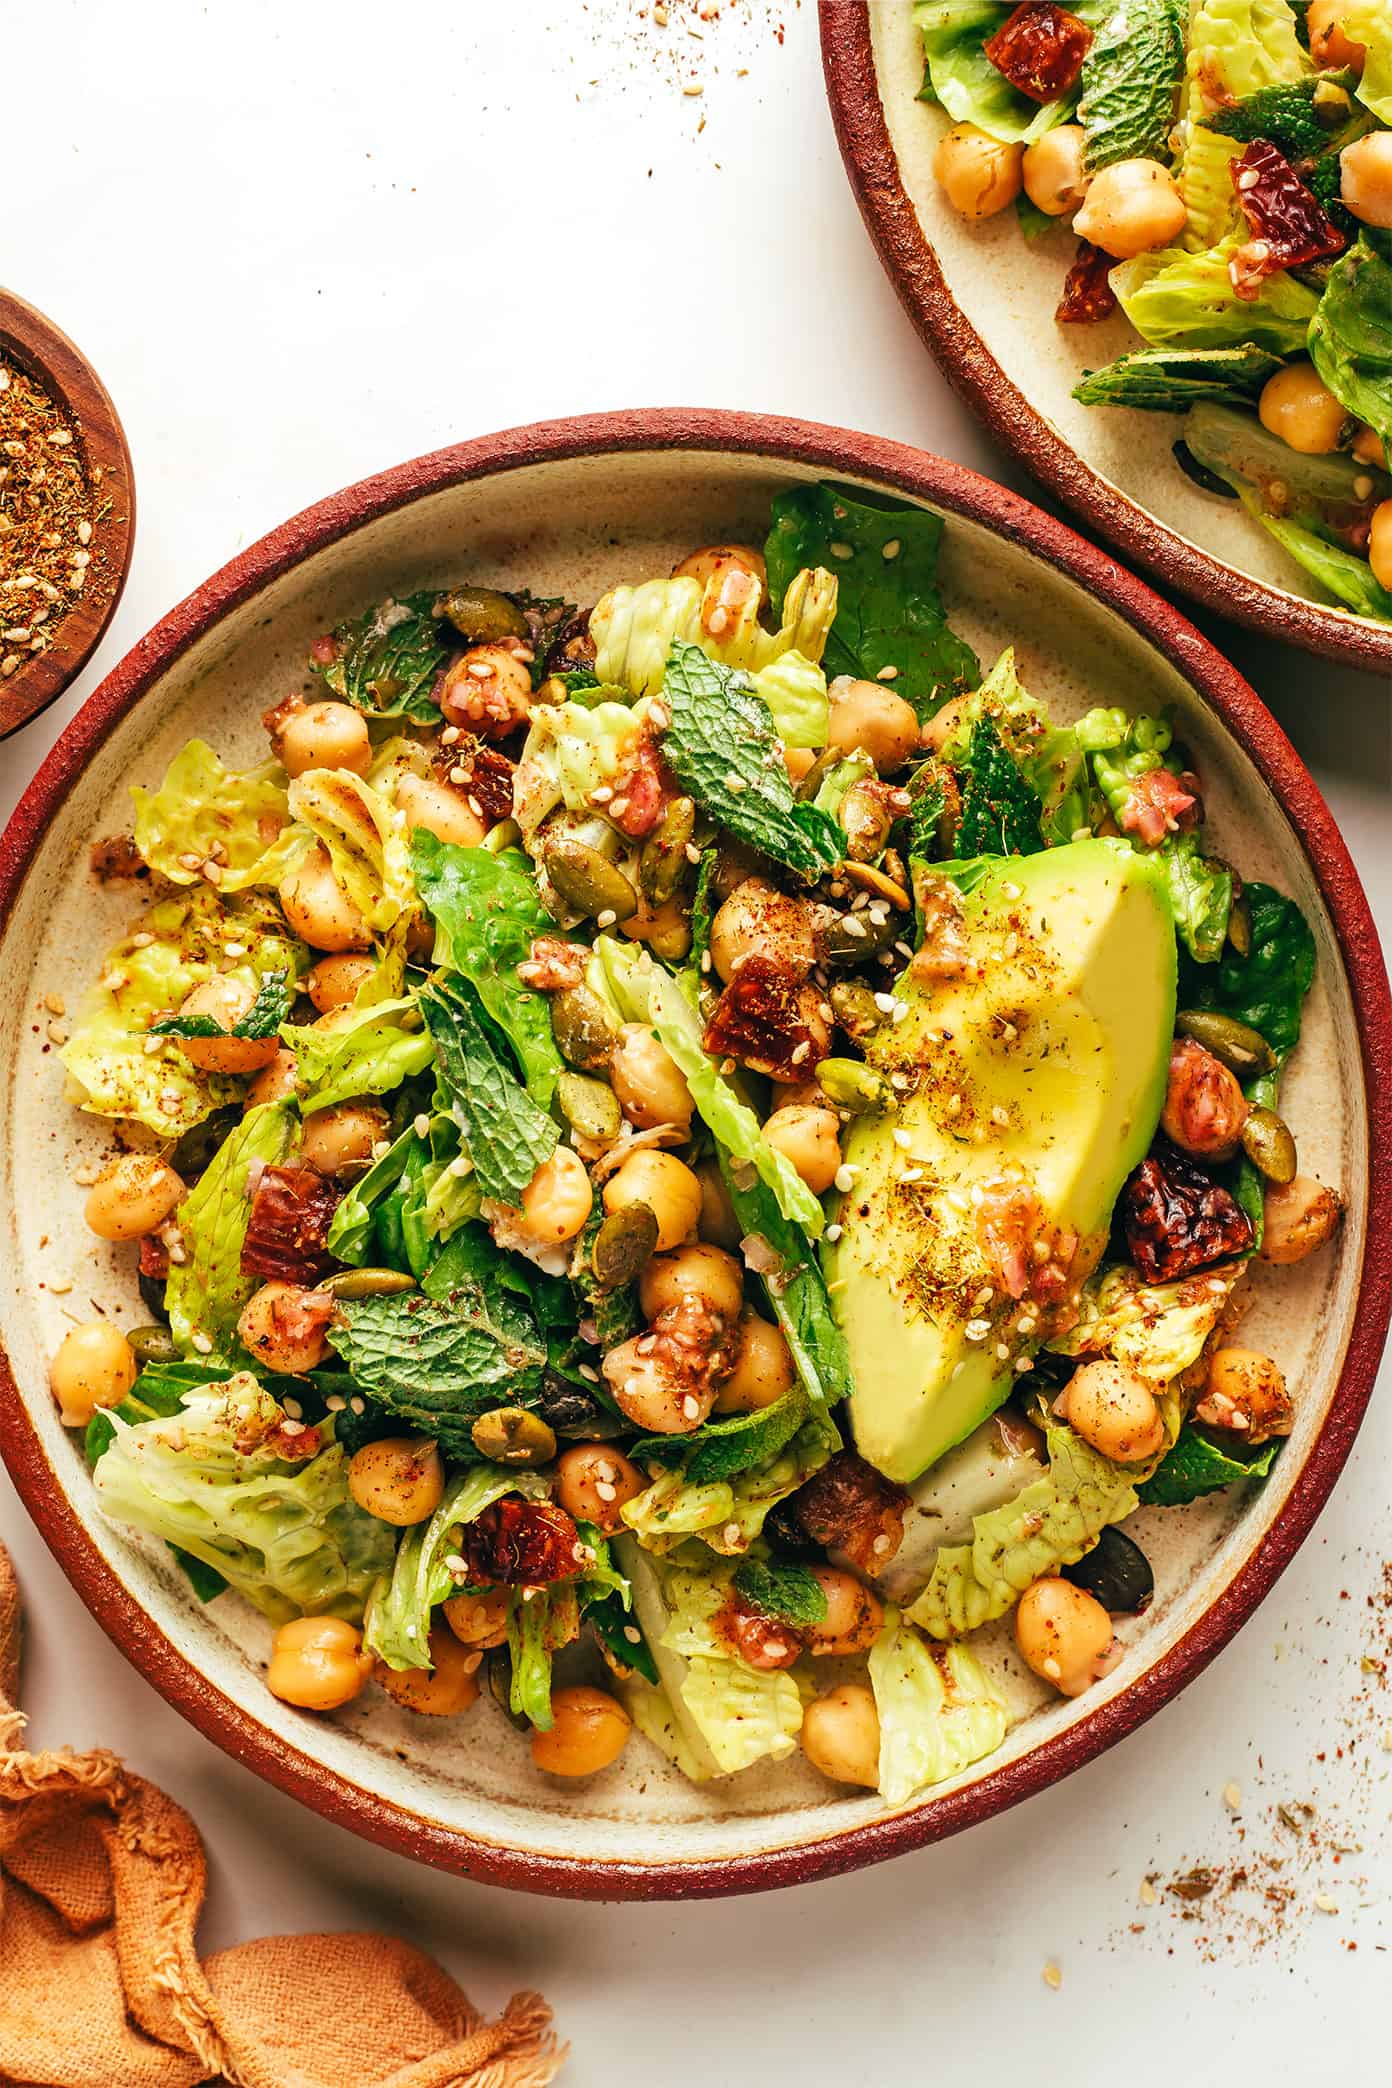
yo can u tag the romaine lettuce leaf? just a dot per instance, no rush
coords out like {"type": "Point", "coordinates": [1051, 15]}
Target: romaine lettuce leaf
{"type": "Point", "coordinates": [201, 807]}
{"type": "Point", "coordinates": [365, 842]}
{"type": "Point", "coordinates": [1351, 333]}
{"type": "Point", "coordinates": [350, 1228]}
{"type": "Point", "coordinates": [796, 1293]}
{"type": "Point", "coordinates": [1201, 890]}
{"type": "Point", "coordinates": [504, 1133]}
{"type": "Point", "coordinates": [1049, 758]}
{"type": "Point", "coordinates": [1367, 22]}
{"type": "Point", "coordinates": [210, 1480]}
{"type": "Point", "coordinates": [571, 749]}
{"type": "Point", "coordinates": [938, 1711]}
{"type": "Point", "coordinates": [397, 1626]}
{"type": "Point", "coordinates": [890, 621]}
{"type": "Point", "coordinates": [1130, 78]}
{"type": "Point", "coordinates": [1343, 575]}
{"type": "Point", "coordinates": [728, 1515]}
{"type": "Point", "coordinates": [207, 1290]}
{"type": "Point", "coordinates": [964, 80]}
{"type": "Point", "coordinates": [1169, 380]}
{"type": "Point", "coordinates": [488, 911]}
{"type": "Point", "coordinates": [1206, 185]}
{"type": "Point", "coordinates": [369, 1052]}
{"type": "Point", "coordinates": [540, 1622]}
{"type": "Point", "coordinates": [1155, 1329]}
{"type": "Point", "coordinates": [1237, 47]}
{"type": "Point", "coordinates": [1179, 300]}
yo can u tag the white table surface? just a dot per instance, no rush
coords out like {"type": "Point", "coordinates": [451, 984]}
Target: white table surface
{"type": "Point", "coordinates": [302, 242]}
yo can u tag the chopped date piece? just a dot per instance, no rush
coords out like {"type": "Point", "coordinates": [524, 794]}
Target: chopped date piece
{"type": "Point", "coordinates": [154, 1258]}
{"type": "Point", "coordinates": [760, 1021]}
{"type": "Point", "coordinates": [1087, 293]}
{"type": "Point", "coordinates": [572, 647]}
{"type": "Point", "coordinates": [1289, 227]}
{"type": "Point", "coordinates": [850, 1507]}
{"type": "Point", "coordinates": [524, 1544]}
{"type": "Point", "coordinates": [482, 773]}
{"type": "Point", "coordinates": [1178, 1219]}
{"type": "Point", "coordinates": [761, 1642]}
{"type": "Point", "coordinates": [1040, 49]}
{"type": "Point", "coordinates": [289, 1225]}
{"type": "Point", "coordinates": [1157, 804]}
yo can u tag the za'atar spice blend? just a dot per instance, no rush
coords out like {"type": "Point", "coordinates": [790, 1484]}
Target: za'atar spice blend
{"type": "Point", "coordinates": [51, 511]}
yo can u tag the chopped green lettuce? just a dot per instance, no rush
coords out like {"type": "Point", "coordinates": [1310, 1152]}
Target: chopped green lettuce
{"type": "Point", "coordinates": [571, 750]}
{"type": "Point", "coordinates": [203, 810]}
{"type": "Point", "coordinates": [796, 1293]}
{"type": "Point", "coordinates": [350, 1228]}
{"type": "Point", "coordinates": [369, 1051]}
{"type": "Point", "coordinates": [397, 1626]}
{"type": "Point", "coordinates": [1179, 300]}
{"type": "Point", "coordinates": [1155, 1329]}
{"type": "Point", "coordinates": [1345, 577]}
{"type": "Point", "coordinates": [1206, 186]}
{"type": "Point", "coordinates": [1000, 812]}
{"type": "Point", "coordinates": [211, 1479]}
{"type": "Point", "coordinates": [207, 1290]}
{"type": "Point", "coordinates": [504, 1133]}
{"type": "Point", "coordinates": [728, 1515]}
{"type": "Point", "coordinates": [365, 842]}
{"type": "Point", "coordinates": [1265, 989]}
{"type": "Point", "coordinates": [1367, 22]}
{"type": "Point", "coordinates": [890, 620]}
{"type": "Point", "coordinates": [938, 1712]}
{"type": "Point", "coordinates": [1130, 78]}
{"type": "Point", "coordinates": [1237, 47]}
{"type": "Point", "coordinates": [1169, 380]}
{"type": "Point", "coordinates": [1048, 758]}
{"type": "Point", "coordinates": [964, 80]}
{"type": "Point", "coordinates": [1201, 892]}
{"type": "Point", "coordinates": [540, 1622]}
{"type": "Point", "coordinates": [1351, 333]}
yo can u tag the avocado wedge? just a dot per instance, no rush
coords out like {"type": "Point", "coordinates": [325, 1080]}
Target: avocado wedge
{"type": "Point", "coordinates": [1037, 1070]}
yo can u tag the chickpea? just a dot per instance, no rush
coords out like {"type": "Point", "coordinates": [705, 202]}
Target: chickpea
{"type": "Point", "coordinates": [589, 1730]}
{"type": "Point", "coordinates": [317, 910]}
{"type": "Point", "coordinates": [1246, 1393]}
{"type": "Point", "coordinates": [715, 561]}
{"type": "Point", "coordinates": [1368, 448]}
{"type": "Point", "coordinates": [132, 1196]}
{"type": "Point", "coordinates": [1365, 178]}
{"type": "Point", "coordinates": [558, 1199]}
{"type": "Point", "coordinates": [977, 173]}
{"type": "Point", "coordinates": [283, 1326]}
{"type": "Point", "coordinates": [445, 813]}
{"type": "Point", "coordinates": [448, 1686]}
{"type": "Point", "coordinates": [757, 920]}
{"type": "Point", "coordinates": [1299, 1216]}
{"type": "Point", "coordinates": [594, 1482]}
{"type": "Point", "coordinates": [701, 1272]}
{"type": "Point", "coordinates": [489, 688]}
{"type": "Point", "coordinates": [335, 981]}
{"type": "Point", "coordinates": [1065, 1635]}
{"type": "Point", "coordinates": [225, 998]}
{"type": "Point", "coordinates": [653, 1392]}
{"type": "Point", "coordinates": [1205, 1108]}
{"type": "Point", "coordinates": [275, 1082]}
{"type": "Point", "coordinates": [798, 762]}
{"type": "Point", "coordinates": [399, 1479]}
{"type": "Point", "coordinates": [479, 1618]}
{"type": "Point", "coordinates": [717, 1224]}
{"type": "Point", "coordinates": [1114, 1410]}
{"type": "Point", "coordinates": [324, 736]}
{"type": "Point", "coordinates": [666, 1185]}
{"type": "Point", "coordinates": [1130, 208]}
{"type": "Point", "coordinates": [1380, 544]}
{"type": "Point", "coordinates": [853, 1615]}
{"type": "Point", "coordinates": [763, 1369]}
{"type": "Point", "coordinates": [841, 1735]}
{"type": "Point", "coordinates": [1056, 179]}
{"type": "Point", "coordinates": [869, 716]}
{"type": "Point", "coordinates": [666, 929]}
{"type": "Point", "coordinates": [95, 1367]}
{"type": "Point", "coordinates": [650, 1085]}
{"type": "Point", "coordinates": [340, 1140]}
{"type": "Point", "coordinates": [317, 1663]}
{"type": "Point", "coordinates": [1295, 405]}
{"type": "Point", "coordinates": [809, 1138]}
{"type": "Point", "coordinates": [1331, 46]}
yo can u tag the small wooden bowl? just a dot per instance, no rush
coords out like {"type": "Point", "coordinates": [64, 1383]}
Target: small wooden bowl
{"type": "Point", "coordinates": [51, 359]}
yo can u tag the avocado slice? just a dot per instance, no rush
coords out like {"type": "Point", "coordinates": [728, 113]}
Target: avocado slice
{"type": "Point", "coordinates": [1043, 1062]}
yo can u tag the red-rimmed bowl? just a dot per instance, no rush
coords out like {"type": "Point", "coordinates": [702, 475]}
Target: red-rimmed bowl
{"type": "Point", "coordinates": [983, 297]}
{"type": "Point", "coordinates": [572, 506]}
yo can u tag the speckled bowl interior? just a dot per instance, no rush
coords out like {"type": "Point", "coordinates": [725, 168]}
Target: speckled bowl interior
{"type": "Point", "coordinates": [465, 1792]}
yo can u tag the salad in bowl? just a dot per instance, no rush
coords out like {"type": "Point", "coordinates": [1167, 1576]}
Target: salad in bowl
{"type": "Point", "coordinates": [1226, 171]}
{"type": "Point", "coordinates": [691, 1164]}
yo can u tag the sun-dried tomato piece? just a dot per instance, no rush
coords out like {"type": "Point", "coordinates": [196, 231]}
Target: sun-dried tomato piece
{"type": "Point", "coordinates": [642, 792]}
{"type": "Point", "coordinates": [154, 1258]}
{"type": "Point", "coordinates": [1178, 1219]}
{"type": "Point", "coordinates": [1040, 49]}
{"type": "Point", "coordinates": [1087, 293]}
{"type": "Point", "coordinates": [761, 1642]}
{"type": "Point", "coordinates": [481, 773]}
{"type": "Point", "coordinates": [289, 1224]}
{"type": "Point", "coordinates": [1289, 226]}
{"type": "Point", "coordinates": [761, 1020]}
{"type": "Point", "coordinates": [572, 647]}
{"type": "Point", "coordinates": [523, 1544]}
{"type": "Point", "coordinates": [850, 1507]}
{"type": "Point", "coordinates": [1157, 804]}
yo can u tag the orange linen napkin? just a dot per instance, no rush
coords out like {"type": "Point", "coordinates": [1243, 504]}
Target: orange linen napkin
{"type": "Point", "coordinates": [101, 1883]}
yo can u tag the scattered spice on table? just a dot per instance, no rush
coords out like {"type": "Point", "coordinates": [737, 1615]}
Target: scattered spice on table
{"type": "Point", "coordinates": [51, 511]}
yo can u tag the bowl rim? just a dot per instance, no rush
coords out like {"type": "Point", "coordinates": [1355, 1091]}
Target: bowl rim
{"type": "Point", "coordinates": [967, 495]}
{"type": "Point", "coordinates": [32, 340]}
{"type": "Point", "coordinates": [911, 262]}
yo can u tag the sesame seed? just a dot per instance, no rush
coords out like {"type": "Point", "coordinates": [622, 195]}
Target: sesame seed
{"type": "Point", "coordinates": [1002, 1352]}
{"type": "Point", "coordinates": [844, 1177]}
{"type": "Point", "coordinates": [693, 87]}
{"type": "Point", "coordinates": [421, 1125]}
{"type": "Point", "coordinates": [461, 1166]}
{"type": "Point", "coordinates": [203, 1343]}
{"type": "Point", "coordinates": [888, 674]}
{"type": "Point", "coordinates": [1000, 1115]}
{"type": "Point", "coordinates": [901, 1011]}
{"type": "Point", "coordinates": [1325, 1904]}
{"type": "Point", "coordinates": [1232, 1797]}
{"type": "Point", "coordinates": [606, 1490]}
{"type": "Point", "coordinates": [886, 1003]}
{"type": "Point", "coordinates": [912, 1174]}
{"type": "Point", "coordinates": [1051, 1668]}
{"type": "Point", "coordinates": [1052, 1975]}
{"type": "Point", "coordinates": [606, 918]}
{"type": "Point", "coordinates": [731, 1533]}
{"type": "Point", "coordinates": [335, 1402]}
{"type": "Point", "coordinates": [883, 1543]}
{"type": "Point", "coordinates": [891, 549]}
{"type": "Point", "coordinates": [977, 1329]}
{"type": "Point", "coordinates": [633, 1635]}
{"type": "Point", "coordinates": [292, 1428]}
{"type": "Point", "coordinates": [1012, 946]}
{"type": "Point", "coordinates": [734, 784]}
{"type": "Point", "coordinates": [358, 1404]}
{"type": "Point", "coordinates": [619, 807]}
{"type": "Point", "coordinates": [293, 1409]}
{"type": "Point", "coordinates": [902, 1138]}
{"type": "Point", "coordinates": [954, 1105]}
{"type": "Point", "coordinates": [832, 1234]}
{"type": "Point", "coordinates": [1147, 1893]}
{"type": "Point", "coordinates": [691, 1407]}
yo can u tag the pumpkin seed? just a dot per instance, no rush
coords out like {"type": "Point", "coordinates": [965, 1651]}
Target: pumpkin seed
{"type": "Point", "coordinates": [581, 1024]}
{"type": "Point", "coordinates": [881, 882]}
{"type": "Point", "coordinates": [663, 860]}
{"type": "Point", "coordinates": [481, 614]}
{"type": "Point", "coordinates": [1116, 1571]}
{"type": "Point", "coordinates": [368, 1283]}
{"type": "Point", "coordinates": [623, 1245]}
{"type": "Point", "coordinates": [867, 821]}
{"type": "Point", "coordinates": [589, 1107]}
{"type": "Point", "coordinates": [497, 1666]}
{"type": "Point", "coordinates": [850, 1085]}
{"type": "Point", "coordinates": [829, 759]}
{"type": "Point", "coordinates": [152, 1345]}
{"type": "Point", "coordinates": [1243, 1051]}
{"type": "Point", "coordinates": [1240, 926]}
{"type": "Point", "coordinates": [1268, 1144]}
{"type": "Point", "coordinates": [853, 1004]}
{"type": "Point", "coordinates": [854, 936]}
{"type": "Point", "coordinates": [586, 880]}
{"type": "Point", "coordinates": [514, 1436]}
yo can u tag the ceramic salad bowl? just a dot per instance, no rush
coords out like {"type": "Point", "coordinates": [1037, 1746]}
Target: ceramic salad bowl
{"type": "Point", "coordinates": [577, 506]}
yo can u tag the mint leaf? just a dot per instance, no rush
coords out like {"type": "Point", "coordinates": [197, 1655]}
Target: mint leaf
{"type": "Point", "coordinates": [387, 660]}
{"type": "Point", "coordinates": [504, 1133]}
{"type": "Point", "coordinates": [489, 910]}
{"type": "Point", "coordinates": [1000, 812]}
{"type": "Point", "coordinates": [613, 1624]}
{"type": "Point", "coordinates": [438, 1362]}
{"type": "Point", "coordinates": [722, 747]}
{"type": "Point", "coordinates": [889, 613]}
{"type": "Point", "coordinates": [1169, 380]}
{"type": "Point", "coordinates": [1284, 114]}
{"type": "Point", "coordinates": [1196, 1465]}
{"type": "Point", "coordinates": [262, 1019]}
{"type": "Point", "coordinates": [724, 1449]}
{"type": "Point", "coordinates": [789, 1594]}
{"type": "Point", "coordinates": [1351, 333]}
{"type": "Point", "coordinates": [1129, 81]}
